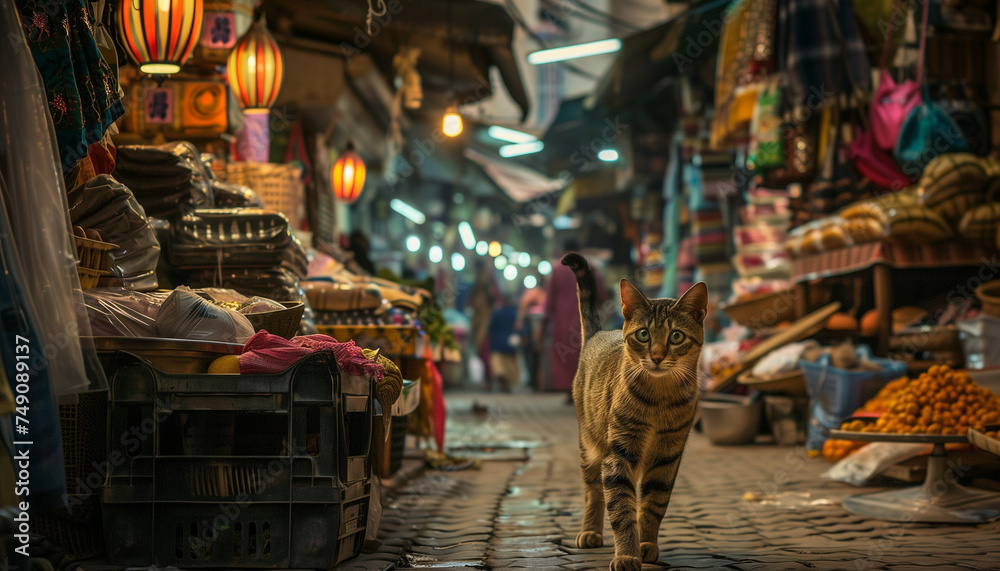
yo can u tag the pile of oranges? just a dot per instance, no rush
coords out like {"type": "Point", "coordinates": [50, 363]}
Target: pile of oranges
{"type": "Point", "coordinates": [940, 401]}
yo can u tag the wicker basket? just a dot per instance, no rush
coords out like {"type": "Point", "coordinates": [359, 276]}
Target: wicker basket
{"type": "Point", "coordinates": [278, 186]}
{"type": "Point", "coordinates": [764, 311]}
{"type": "Point", "coordinates": [283, 322]}
{"type": "Point", "coordinates": [989, 296]}
{"type": "Point", "coordinates": [95, 260]}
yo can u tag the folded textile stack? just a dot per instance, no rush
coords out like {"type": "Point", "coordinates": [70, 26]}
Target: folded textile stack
{"type": "Point", "coordinates": [249, 250]}
{"type": "Point", "coordinates": [106, 205]}
{"type": "Point", "coordinates": [341, 297]}
{"type": "Point", "coordinates": [172, 179]}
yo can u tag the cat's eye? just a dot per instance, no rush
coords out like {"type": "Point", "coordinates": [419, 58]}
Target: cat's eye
{"type": "Point", "coordinates": [642, 335]}
{"type": "Point", "coordinates": [677, 337]}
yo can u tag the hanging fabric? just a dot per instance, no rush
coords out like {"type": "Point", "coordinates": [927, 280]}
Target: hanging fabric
{"type": "Point", "coordinates": [39, 216]}
{"type": "Point", "coordinates": [80, 86]}
{"type": "Point", "coordinates": [809, 55]}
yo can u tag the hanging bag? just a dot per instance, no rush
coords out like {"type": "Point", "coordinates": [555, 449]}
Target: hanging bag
{"type": "Point", "coordinates": [765, 151]}
{"type": "Point", "coordinates": [870, 161]}
{"type": "Point", "coordinates": [928, 130]}
{"type": "Point", "coordinates": [892, 102]}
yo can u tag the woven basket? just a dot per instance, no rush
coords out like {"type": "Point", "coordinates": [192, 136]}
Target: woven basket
{"type": "Point", "coordinates": [278, 186]}
{"type": "Point", "coordinates": [989, 296]}
{"type": "Point", "coordinates": [282, 322]}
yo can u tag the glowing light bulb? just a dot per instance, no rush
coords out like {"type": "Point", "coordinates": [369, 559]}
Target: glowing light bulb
{"type": "Point", "coordinates": [495, 249]}
{"type": "Point", "coordinates": [413, 243]}
{"type": "Point", "coordinates": [482, 248]}
{"type": "Point", "coordinates": [452, 124]}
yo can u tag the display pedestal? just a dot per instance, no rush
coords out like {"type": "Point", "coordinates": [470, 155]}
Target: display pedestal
{"type": "Point", "coordinates": [940, 499]}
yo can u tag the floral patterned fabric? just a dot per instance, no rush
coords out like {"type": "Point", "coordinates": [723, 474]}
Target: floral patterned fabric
{"type": "Point", "coordinates": [81, 88]}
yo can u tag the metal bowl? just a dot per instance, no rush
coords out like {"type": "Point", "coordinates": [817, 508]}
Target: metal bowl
{"type": "Point", "coordinates": [731, 421]}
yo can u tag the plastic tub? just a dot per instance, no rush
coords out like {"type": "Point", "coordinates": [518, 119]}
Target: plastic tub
{"type": "Point", "coordinates": [839, 392]}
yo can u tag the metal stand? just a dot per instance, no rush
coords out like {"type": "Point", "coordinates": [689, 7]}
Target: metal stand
{"type": "Point", "coordinates": [939, 500]}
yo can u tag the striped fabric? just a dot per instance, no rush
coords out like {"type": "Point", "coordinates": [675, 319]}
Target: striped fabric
{"type": "Point", "coordinates": [160, 34]}
{"type": "Point", "coordinates": [255, 69]}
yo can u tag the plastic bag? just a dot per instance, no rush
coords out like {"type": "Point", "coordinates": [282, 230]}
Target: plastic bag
{"type": "Point", "coordinates": [108, 206]}
{"type": "Point", "coordinates": [869, 461]}
{"type": "Point", "coordinates": [259, 305]}
{"type": "Point", "coordinates": [117, 312]}
{"type": "Point", "coordinates": [186, 315]}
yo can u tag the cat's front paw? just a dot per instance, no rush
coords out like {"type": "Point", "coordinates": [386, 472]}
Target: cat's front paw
{"type": "Point", "coordinates": [650, 552]}
{"type": "Point", "coordinates": [625, 563]}
{"type": "Point", "coordinates": [589, 540]}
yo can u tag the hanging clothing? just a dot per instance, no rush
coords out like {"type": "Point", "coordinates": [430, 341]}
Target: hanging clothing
{"type": "Point", "coordinates": [81, 88]}
{"type": "Point", "coordinates": [40, 235]}
{"type": "Point", "coordinates": [810, 56]}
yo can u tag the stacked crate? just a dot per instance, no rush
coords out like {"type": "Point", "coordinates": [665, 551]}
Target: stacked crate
{"type": "Point", "coordinates": [237, 471]}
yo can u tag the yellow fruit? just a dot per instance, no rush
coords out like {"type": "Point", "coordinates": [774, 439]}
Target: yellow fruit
{"type": "Point", "coordinates": [226, 365]}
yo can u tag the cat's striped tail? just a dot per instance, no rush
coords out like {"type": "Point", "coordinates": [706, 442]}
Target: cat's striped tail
{"type": "Point", "coordinates": [586, 288]}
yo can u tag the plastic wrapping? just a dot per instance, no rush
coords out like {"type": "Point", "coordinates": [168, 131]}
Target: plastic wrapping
{"type": "Point", "coordinates": [872, 459]}
{"type": "Point", "coordinates": [236, 237]}
{"type": "Point", "coordinates": [187, 315]}
{"type": "Point", "coordinates": [117, 312]}
{"type": "Point", "coordinates": [108, 206]}
{"type": "Point", "coordinates": [235, 196]}
{"type": "Point", "coordinates": [35, 201]}
{"type": "Point", "coordinates": [168, 180]}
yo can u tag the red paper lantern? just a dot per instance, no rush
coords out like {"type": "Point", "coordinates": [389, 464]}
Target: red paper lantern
{"type": "Point", "coordinates": [160, 34]}
{"type": "Point", "coordinates": [348, 176]}
{"type": "Point", "coordinates": [255, 69]}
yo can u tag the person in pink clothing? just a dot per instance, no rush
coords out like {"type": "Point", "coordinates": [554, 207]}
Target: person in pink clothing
{"type": "Point", "coordinates": [562, 321]}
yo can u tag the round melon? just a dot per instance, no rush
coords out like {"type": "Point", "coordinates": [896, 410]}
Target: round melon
{"type": "Point", "coordinates": [952, 184]}
{"type": "Point", "coordinates": [916, 225]}
{"type": "Point", "coordinates": [980, 225]}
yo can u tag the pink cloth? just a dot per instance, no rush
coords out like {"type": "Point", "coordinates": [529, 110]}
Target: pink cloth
{"type": "Point", "coordinates": [266, 353]}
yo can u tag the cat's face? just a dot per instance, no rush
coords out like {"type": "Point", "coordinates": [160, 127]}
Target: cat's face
{"type": "Point", "coordinates": [663, 337]}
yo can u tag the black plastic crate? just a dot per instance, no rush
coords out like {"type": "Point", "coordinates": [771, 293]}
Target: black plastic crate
{"type": "Point", "coordinates": [247, 471]}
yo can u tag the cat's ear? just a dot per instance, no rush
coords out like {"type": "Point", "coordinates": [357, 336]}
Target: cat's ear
{"type": "Point", "coordinates": [694, 301]}
{"type": "Point", "coordinates": [632, 299]}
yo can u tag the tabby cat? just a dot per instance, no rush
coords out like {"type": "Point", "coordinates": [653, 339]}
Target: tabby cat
{"type": "Point", "coordinates": [636, 391]}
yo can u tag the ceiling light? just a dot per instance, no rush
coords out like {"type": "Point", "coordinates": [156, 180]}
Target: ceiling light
{"type": "Point", "coordinates": [510, 135]}
{"type": "Point", "coordinates": [435, 254]}
{"type": "Point", "coordinates": [408, 211]}
{"type": "Point", "coordinates": [544, 267]}
{"type": "Point", "coordinates": [451, 125]}
{"type": "Point", "coordinates": [524, 259]}
{"type": "Point", "coordinates": [530, 281]}
{"type": "Point", "coordinates": [510, 272]}
{"type": "Point", "coordinates": [575, 51]}
{"type": "Point", "coordinates": [412, 243]}
{"type": "Point", "coordinates": [457, 262]}
{"type": "Point", "coordinates": [495, 248]}
{"type": "Point", "coordinates": [519, 149]}
{"type": "Point", "coordinates": [482, 248]}
{"type": "Point", "coordinates": [608, 155]}
{"type": "Point", "coordinates": [500, 262]}
{"type": "Point", "coordinates": [465, 233]}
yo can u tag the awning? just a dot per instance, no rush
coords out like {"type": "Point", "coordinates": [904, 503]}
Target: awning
{"type": "Point", "coordinates": [481, 35]}
{"type": "Point", "coordinates": [521, 183]}
{"type": "Point", "coordinates": [684, 44]}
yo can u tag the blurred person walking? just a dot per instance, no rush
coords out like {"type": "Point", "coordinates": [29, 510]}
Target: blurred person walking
{"type": "Point", "coordinates": [531, 321]}
{"type": "Point", "coordinates": [504, 341]}
{"type": "Point", "coordinates": [482, 300]}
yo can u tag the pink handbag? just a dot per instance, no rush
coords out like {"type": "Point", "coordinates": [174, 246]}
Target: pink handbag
{"type": "Point", "coordinates": [874, 163]}
{"type": "Point", "coordinates": [891, 103]}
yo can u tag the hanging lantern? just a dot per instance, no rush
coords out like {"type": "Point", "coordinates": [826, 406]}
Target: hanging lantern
{"type": "Point", "coordinates": [348, 175]}
{"type": "Point", "coordinates": [160, 35]}
{"type": "Point", "coordinates": [452, 124]}
{"type": "Point", "coordinates": [255, 69]}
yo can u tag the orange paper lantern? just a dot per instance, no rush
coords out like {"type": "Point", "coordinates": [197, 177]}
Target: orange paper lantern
{"type": "Point", "coordinates": [255, 69]}
{"type": "Point", "coordinates": [348, 176]}
{"type": "Point", "coordinates": [160, 34]}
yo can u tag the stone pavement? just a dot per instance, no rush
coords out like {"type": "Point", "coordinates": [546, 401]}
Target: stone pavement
{"type": "Point", "coordinates": [525, 512]}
